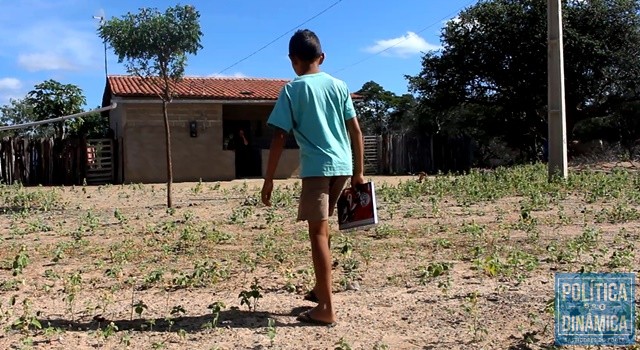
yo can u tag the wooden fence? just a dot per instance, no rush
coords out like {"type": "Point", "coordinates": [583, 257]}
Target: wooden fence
{"type": "Point", "coordinates": [47, 161]}
{"type": "Point", "coordinates": [412, 153]}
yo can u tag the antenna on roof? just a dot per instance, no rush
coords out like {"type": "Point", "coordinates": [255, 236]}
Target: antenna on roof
{"type": "Point", "coordinates": [100, 18]}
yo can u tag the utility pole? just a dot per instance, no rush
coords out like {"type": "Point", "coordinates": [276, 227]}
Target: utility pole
{"type": "Point", "coordinates": [104, 42]}
{"type": "Point", "coordinates": [556, 104]}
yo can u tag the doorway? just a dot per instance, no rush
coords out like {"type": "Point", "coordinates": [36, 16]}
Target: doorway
{"type": "Point", "coordinates": [240, 137]}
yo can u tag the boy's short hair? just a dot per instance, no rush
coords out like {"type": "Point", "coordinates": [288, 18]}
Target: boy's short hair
{"type": "Point", "coordinates": [305, 45]}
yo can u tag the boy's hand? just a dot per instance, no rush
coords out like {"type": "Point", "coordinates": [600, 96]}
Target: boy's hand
{"type": "Point", "coordinates": [267, 188]}
{"type": "Point", "coordinates": [357, 179]}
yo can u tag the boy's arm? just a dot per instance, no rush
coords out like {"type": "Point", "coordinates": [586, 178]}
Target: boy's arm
{"type": "Point", "coordinates": [277, 144]}
{"type": "Point", "coordinates": [357, 146]}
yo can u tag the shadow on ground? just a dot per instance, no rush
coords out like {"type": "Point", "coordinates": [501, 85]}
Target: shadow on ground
{"type": "Point", "coordinates": [233, 318]}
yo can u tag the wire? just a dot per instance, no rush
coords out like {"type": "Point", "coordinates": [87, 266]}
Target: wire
{"type": "Point", "coordinates": [58, 119]}
{"type": "Point", "coordinates": [281, 36]}
{"type": "Point", "coordinates": [403, 40]}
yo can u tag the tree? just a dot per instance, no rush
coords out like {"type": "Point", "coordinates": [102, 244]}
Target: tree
{"type": "Point", "coordinates": [402, 118]}
{"type": "Point", "coordinates": [381, 111]}
{"type": "Point", "coordinates": [154, 46]}
{"type": "Point", "coordinates": [489, 80]}
{"type": "Point", "coordinates": [17, 112]}
{"type": "Point", "coordinates": [51, 99]}
{"type": "Point", "coordinates": [375, 107]}
{"type": "Point", "coordinates": [93, 125]}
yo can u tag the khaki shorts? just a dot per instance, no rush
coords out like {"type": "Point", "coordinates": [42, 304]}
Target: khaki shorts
{"type": "Point", "coordinates": [319, 197]}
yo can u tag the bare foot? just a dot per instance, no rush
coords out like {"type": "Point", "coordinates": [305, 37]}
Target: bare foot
{"type": "Point", "coordinates": [321, 314]}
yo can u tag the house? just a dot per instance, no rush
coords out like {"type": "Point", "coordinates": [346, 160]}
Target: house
{"type": "Point", "coordinates": [208, 118]}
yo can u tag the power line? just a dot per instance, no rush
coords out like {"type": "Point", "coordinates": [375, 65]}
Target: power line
{"type": "Point", "coordinates": [403, 39]}
{"type": "Point", "coordinates": [281, 36]}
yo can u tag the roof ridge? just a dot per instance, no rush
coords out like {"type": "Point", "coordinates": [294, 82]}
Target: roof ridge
{"type": "Point", "coordinates": [195, 77]}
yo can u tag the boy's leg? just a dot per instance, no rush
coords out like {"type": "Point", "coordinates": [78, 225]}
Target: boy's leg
{"type": "Point", "coordinates": [317, 203]}
{"type": "Point", "coordinates": [321, 255]}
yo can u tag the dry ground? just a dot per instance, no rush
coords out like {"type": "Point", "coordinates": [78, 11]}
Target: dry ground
{"type": "Point", "coordinates": [456, 263]}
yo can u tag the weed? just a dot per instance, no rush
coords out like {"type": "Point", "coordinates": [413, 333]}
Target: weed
{"type": "Point", "coordinates": [471, 308]}
{"type": "Point", "coordinates": [205, 273]}
{"type": "Point", "coordinates": [17, 198]}
{"type": "Point", "coordinates": [271, 331]}
{"type": "Point", "coordinates": [384, 231]}
{"type": "Point", "coordinates": [622, 258]}
{"type": "Point", "coordinates": [239, 215]}
{"type": "Point", "coordinates": [442, 243]}
{"type": "Point", "coordinates": [473, 229]}
{"type": "Point", "coordinates": [27, 320]}
{"type": "Point", "coordinates": [620, 213]}
{"type": "Point", "coordinates": [215, 308]}
{"type": "Point", "coordinates": [342, 344]}
{"type": "Point", "coordinates": [139, 307]}
{"type": "Point", "coordinates": [251, 297]}
{"type": "Point", "coordinates": [110, 330]}
{"type": "Point", "coordinates": [380, 346]}
{"type": "Point", "coordinates": [21, 261]}
{"type": "Point", "coordinates": [433, 270]}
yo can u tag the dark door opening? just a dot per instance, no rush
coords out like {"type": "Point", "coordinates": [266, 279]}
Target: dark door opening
{"type": "Point", "coordinates": [248, 154]}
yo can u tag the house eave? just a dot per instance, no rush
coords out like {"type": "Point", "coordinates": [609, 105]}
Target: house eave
{"type": "Point", "coordinates": [151, 100]}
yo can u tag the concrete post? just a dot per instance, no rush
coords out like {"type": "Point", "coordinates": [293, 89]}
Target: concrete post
{"type": "Point", "coordinates": [556, 103]}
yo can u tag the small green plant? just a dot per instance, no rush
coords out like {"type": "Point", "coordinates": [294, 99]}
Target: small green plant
{"type": "Point", "coordinates": [72, 286]}
{"type": "Point", "coordinates": [251, 297]}
{"type": "Point", "coordinates": [471, 308]}
{"type": "Point", "coordinates": [380, 346]}
{"type": "Point", "coordinates": [215, 308]}
{"type": "Point", "coordinates": [342, 344]}
{"type": "Point", "coordinates": [384, 231]}
{"type": "Point", "coordinates": [126, 339]}
{"type": "Point", "coordinates": [110, 330]}
{"type": "Point", "coordinates": [27, 320]}
{"type": "Point", "coordinates": [442, 243]}
{"type": "Point", "coordinates": [139, 307]}
{"type": "Point", "coordinates": [271, 331]}
{"type": "Point", "coordinates": [433, 270]}
{"type": "Point", "coordinates": [473, 229]}
{"type": "Point", "coordinates": [21, 261]}
{"type": "Point", "coordinates": [119, 216]}
{"type": "Point", "coordinates": [197, 188]}
{"type": "Point", "coordinates": [240, 215]}
{"type": "Point", "coordinates": [622, 258]}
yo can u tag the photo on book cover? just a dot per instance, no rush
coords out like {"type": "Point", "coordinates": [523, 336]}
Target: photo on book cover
{"type": "Point", "coordinates": [357, 207]}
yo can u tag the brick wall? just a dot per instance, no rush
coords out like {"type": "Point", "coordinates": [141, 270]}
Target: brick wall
{"type": "Point", "coordinates": [143, 142]}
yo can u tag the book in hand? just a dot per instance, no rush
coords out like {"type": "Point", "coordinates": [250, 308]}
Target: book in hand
{"type": "Point", "coordinates": [357, 207]}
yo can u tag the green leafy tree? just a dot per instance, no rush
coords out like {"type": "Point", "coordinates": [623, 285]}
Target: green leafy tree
{"type": "Point", "coordinates": [489, 80]}
{"type": "Point", "coordinates": [52, 99]}
{"type": "Point", "coordinates": [403, 117]}
{"type": "Point", "coordinates": [17, 112]}
{"type": "Point", "coordinates": [93, 125]}
{"type": "Point", "coordinates": [381, 111]}
{"type": "Point", "coordinates": [154, 46]}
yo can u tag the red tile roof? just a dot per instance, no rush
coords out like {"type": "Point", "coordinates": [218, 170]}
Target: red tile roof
{"type": "Point", "coordinates": [211, 88]}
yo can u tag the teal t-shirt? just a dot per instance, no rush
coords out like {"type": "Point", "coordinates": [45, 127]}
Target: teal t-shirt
{"type": "Point", "coordinates": [316, 107]}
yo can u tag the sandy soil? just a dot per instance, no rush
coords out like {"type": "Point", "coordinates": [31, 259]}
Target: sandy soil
{"type": "Point", "coordinates": [113, 247]}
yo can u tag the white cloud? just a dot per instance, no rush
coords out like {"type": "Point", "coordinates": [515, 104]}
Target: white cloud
{"type": "Point", "coordinates": [48, 43]}
{"type": "Point", "coordinates": [10, 84]}
{"type": "Point", "coordinates": [44, 61]}
{"type": "Point", "coordinates": [404, 46]}
{"type": "Point", "coordinates": [57, 45]}
{"type": "Point", "coordinates": [234, 75]}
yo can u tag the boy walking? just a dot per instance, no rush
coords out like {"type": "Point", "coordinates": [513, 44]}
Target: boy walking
{"type": "Point", "coordinates": [319, 110]}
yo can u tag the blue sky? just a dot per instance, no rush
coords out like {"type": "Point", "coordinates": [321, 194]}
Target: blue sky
{"type": "Point", "coordinates": [56, 39]}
